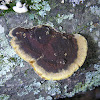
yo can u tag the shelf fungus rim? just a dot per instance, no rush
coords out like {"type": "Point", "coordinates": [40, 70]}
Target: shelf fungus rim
{"type": "Point", "coordinates": [62, 73]}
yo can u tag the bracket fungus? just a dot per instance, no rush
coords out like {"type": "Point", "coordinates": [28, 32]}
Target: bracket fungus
{"type": "Point", "coordinates": [54, 56]}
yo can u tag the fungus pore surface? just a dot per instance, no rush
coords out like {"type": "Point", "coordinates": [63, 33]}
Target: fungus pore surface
{"type": "Point", "coordinates": [53, 55]}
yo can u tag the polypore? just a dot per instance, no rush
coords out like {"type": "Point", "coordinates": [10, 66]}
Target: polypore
{"type": "Point", "coordinates": [54, 56]}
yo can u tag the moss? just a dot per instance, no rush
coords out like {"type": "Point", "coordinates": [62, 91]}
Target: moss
{"type": "Point", "coordinates": [26, 71]}
{"type": "Point", "coordinates": [12, 59]}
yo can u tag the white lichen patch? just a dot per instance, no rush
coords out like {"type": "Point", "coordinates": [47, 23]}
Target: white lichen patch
{"type": "Point", "coordinates": [49, 24]}
{"type": "Point", "coordinates": [39, 21]}
{"type": "Point", "coordinates": [40, 6]}
{"type": "Point", "coordinates": [5, 78]}
{"type": "Point", "coordinates": [99, 44]}
{"type": "Point", "coordinates": [43, 98]}
{"type": "Point", "coordinates": [97, 33]}
{"type": "Point", "coordinates": [4, 97]}
{"type": "Point", "coordinates": [8, 58]}
{"type": "Point", "coordinates": [95, 10]}
{"type": "Point", "coordinates": [60, 18]}
{"type": "Point", "coordinates": [92, 26]}
{"type": "Point", "coordinates": [97, 67]}
{"type": "Point", "coordinates": [48, 98]}
{"type": "Point", "coordinates": [1, 29]}
{"type": "Point", "coordinates": [92, 79]}
{"type": "Point", "coordinates": [51, 87]}
{"type": "Point", "coordinates": [33, 87]}
{"type": "Point", "coordinates": [65, 88]}
{"type": "Point", "coordinates": [40, 98]}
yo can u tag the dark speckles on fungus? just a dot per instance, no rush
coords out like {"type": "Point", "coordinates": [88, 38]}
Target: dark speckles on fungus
{"type": "Point", "coordinates": [54, 56]}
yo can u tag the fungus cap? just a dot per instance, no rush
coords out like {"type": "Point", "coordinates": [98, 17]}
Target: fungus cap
{"type": "Point", "coordinates": [19, 8]}
{"type": "Point", "coordinates": [3, 7]}
{"type": "Point", "coordinates": [54, 56]}
{"type": "Point", "coordinates": [19, 4]}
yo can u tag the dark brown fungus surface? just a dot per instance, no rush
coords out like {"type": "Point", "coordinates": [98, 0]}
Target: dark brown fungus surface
{"type": "Point", "coordinates": [54, 56]}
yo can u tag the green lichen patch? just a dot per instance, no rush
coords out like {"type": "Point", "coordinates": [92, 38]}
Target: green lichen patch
{"type": "Point", "coordinates": [95, 10]}
{"type": "Point", "coordinates": [43, 98]}
{"type": "Point", "coordinates": [33, 87]}
{"type": "Point", "coordinates": [39, 20]}
{"type": "Point", "coordinates": [59, 18]}
{"type": "Point", "coordinates": [41, 7]}
{"type": "Point", "coordinates": [92, 80]}
{"type": "Point", "coordinates": [51, 87]}
{"type": "Point", "coordinates": [48, 98]}
{"type": "Point", "coordinates": [4, 97]}
{"type": "Point", "coordinates": [8, 58]}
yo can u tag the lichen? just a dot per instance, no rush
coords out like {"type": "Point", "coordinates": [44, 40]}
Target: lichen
{"type": "Point", "coordinates": [43, 98]}
{"type": "Point", "coordinates": [95, 10]}
{"type": "Point", "coordinates": [91, 26]}
{"type": "Point", "coordinates": [40, 98]}
{"type": "Point", "coordinates": [8, 58]}
{"type": "Point", "coordinates": [92, 80]}
{"type": "Point", "coordinates": [33, 87]}
{"type": "Point", "coordinates": [39, 21]}
{"type": "Point", "coordinates": [49, 24]}
{"type": "Point", "coordinates": [4, 97]}
{"type": "Point", "coordinates": [51, 87]}
{"type": "Point", "coordinates": [48, 98]}
{"type": "Point", "coordinates": [40, 6]}
{"type": "Point", "coordinates": [60, 18]}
